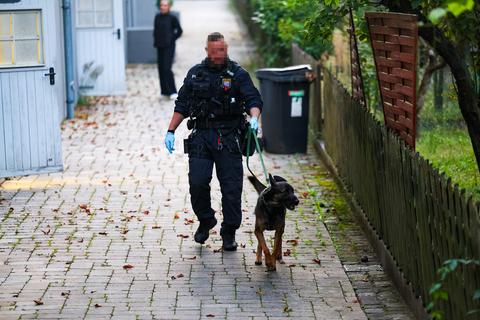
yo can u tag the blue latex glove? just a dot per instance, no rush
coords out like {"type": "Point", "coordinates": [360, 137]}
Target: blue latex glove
{"type": "Point", "coordinates": [254, 123]}
{"type": "Point", "coordinates": [170, 141]}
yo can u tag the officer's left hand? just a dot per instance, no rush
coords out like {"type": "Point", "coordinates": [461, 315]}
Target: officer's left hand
{"type": "Point", "coordinates": [254, 123]}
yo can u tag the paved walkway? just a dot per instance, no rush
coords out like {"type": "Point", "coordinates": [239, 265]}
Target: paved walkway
{"type": "Point", "coordinates": [112, 235]}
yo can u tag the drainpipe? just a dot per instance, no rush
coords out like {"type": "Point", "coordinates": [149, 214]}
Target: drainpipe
{"type": "Point", "coordinates": [68, 37]}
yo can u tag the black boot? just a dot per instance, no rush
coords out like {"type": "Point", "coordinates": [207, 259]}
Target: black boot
{"type": "Point", "coordinates": [203, 231]}
{"type": "Point", "coordinates": [228, 239]}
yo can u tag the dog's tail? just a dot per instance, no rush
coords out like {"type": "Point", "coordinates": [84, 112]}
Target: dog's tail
{"type": "Point", "coordinates": [256, 184]}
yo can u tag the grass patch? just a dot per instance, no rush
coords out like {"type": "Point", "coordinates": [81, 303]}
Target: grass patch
{"type": "Point", "coordinates": [450, 150]}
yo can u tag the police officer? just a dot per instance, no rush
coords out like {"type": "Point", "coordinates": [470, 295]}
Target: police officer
{"type": "Point", "coordinates": [215, 95]}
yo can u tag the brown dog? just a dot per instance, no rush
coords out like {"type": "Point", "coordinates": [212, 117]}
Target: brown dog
{"type": "Point", "coordinates": [270, 211]}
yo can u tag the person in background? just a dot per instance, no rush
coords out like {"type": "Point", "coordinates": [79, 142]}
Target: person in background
{"type": "Point", "coordinates": [166, 31]}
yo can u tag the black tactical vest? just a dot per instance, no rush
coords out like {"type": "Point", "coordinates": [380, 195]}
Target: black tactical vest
{"type": "Point", "coordinates": [215, 97]}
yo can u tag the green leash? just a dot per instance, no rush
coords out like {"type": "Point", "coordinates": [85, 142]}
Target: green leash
{"type": "Point", "coordinates": [251, 133]}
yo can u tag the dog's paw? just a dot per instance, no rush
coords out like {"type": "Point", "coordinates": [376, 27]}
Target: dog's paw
{"type": "Point", "coordinates": [258, 263]}
{"type": "Point", "coordinates": [271, 268]}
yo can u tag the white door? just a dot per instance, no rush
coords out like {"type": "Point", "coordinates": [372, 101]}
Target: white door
{"type": "Point", "coordinates": [31, 86]}
{"type": "Point", "coordinates": [100, 47]}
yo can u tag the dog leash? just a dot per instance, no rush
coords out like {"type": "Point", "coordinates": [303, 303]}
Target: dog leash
{"type": "Point", "coordinates": [251, 133]}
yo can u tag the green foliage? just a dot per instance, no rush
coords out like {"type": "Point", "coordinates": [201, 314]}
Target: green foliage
{"type": "Point", "coordinates": [284, 22]}
{"type": "Point", "coordinates": [437, 292]}
{"type": "Point", "coordinates": [455, 7]}
{"type": "Point", "coordinates": [157, 3]}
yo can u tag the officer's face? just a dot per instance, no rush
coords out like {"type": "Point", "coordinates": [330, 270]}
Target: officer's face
{"type": "Point", "coordinates": [217, 51]}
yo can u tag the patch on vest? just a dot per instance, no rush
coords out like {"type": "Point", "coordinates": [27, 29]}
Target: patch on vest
{"type": "Point", "coordinates": [227, 83]}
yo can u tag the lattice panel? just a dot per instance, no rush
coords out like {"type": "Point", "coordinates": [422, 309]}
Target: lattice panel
{"type": "Point", "coordinates": [394, 38]}
{"type": "Point", "coordinates": [357, 80]}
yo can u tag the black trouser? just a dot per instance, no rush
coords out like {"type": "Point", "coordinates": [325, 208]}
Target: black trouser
{"type": "Point", "coordinates": [205, 150]}
{"type": "Point", "coordinates": [165, 61]}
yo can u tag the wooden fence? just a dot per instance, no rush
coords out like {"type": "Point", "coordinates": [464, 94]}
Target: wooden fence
{"type": "Point", "coordinates": [422, 219]}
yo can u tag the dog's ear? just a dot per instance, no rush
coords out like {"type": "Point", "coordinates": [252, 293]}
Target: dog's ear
{"type": "Point", "coordinates": [278, 179]}
{"type": "Point", "coordinates": [272, 180]}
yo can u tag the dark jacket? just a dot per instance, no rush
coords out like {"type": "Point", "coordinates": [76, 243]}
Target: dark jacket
{"type": "Point", "coordinates": [166, 30]}
{"type": "Point", "coordinates": [242, 86]}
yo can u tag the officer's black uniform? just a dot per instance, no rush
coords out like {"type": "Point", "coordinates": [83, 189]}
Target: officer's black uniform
{"type": "Point", "coordinates": [215, 100]}
{"type": "Point", "coordinates": [166, 31]}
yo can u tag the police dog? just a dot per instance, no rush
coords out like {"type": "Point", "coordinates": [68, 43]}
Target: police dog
{"type": "Point", "coordinates": [272, 205]}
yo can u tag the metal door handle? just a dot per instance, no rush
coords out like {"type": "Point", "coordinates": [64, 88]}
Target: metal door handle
{"type": "Point", "coordinates": [51, 74]}
{"type": "Point", "coordinates": [117, 33]}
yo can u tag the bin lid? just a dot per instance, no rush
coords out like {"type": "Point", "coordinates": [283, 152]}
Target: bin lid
{"type": "Point", "coordinates": [288, 74]}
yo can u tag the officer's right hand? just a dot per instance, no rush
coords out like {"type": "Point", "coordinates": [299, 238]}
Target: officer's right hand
{"type": "Point", "coordinates": [254, 124]}
{"type": "Point", "coordinates": [170, 141]}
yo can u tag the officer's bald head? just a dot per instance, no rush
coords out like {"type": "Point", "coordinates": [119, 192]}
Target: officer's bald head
{"type": "Point", "coordinates": [217, 48]}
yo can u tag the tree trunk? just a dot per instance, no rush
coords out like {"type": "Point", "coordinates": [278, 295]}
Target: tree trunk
{"type": "Point", "coordinates": [438, 83]}
{"type": "Point", "coordinates": [468, 100]}
{"type": "Point", "coordinates": [432, 66]}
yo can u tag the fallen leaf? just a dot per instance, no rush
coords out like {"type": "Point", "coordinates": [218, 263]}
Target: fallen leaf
{"type": "Point", "coordinates": [176, 216]}
{"type": "Point", "coordinates": [305, 195]}
{"type": "Point", "coordinates": [188, 221]}
{"type": "Point", "coordinates": [192, 258]}
{"type": "Point", "coordinates": [292, 265]}
{"type": "Point", "coordinates": [127, 266]}
{"type": "Point", "coordinates": [317, 261]}
{"type": "Point", "coordinates": [124, 231]}
{"type": "Point", "coordinates": [97, 305]}
{"type": "Point", "coordinates": [38, 302]}
{"type": "Point", "coordinates": [210, 315]}
{"type": "Point", "coordinates": [65, 294]}
{"type": "Point", "coordinates": [173, 277]}
{"type": "Point", "coordinates": [217, 250]}
{"type": "Point", "coordinates": [85, 208]}
{"type": "Point", "coordinates": [180, 275]}
{"type": "Point", "coordinates": [103, 233]}
{"type": "Point", "coordinates": [287, 309]}
{"type": "Point", "coordinates": [46, 232]}
{"type": "Point", "coordinates": [287, 253]}
{"type": "Point", "coordinates": [293, 242]}
{"type": "Point", "coordinates": [184, 236]}
{"type": "Point", "coordinates": [146, 212]}
{"type": "Point", "coordinates": [156, 227]}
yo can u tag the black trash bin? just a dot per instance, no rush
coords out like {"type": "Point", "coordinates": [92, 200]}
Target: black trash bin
{"type": "Point", "coordinates": [285, 93]}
